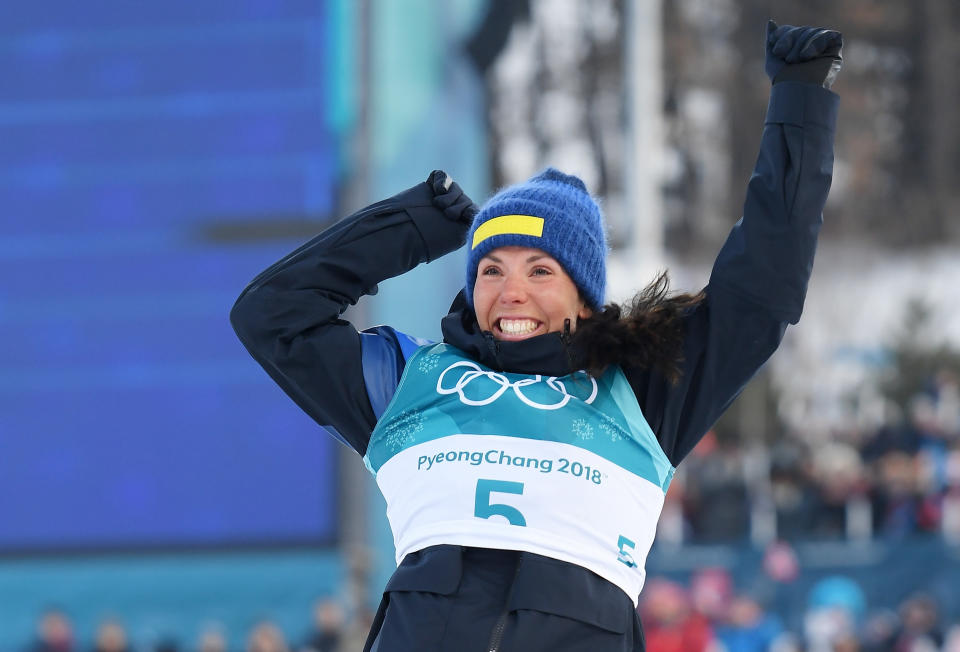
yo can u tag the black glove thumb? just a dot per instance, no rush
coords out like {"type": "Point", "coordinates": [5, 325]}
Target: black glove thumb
{"type": "Point", "coordinates": [449, 197]}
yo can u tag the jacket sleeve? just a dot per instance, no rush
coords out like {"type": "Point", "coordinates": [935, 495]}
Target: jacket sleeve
{"type": "Point", "coordinates": [759, 280]}
{"type": "Point", "coordinates": [288, 317]}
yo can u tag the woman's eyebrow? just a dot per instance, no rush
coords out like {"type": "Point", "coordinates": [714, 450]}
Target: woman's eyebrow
{"type": "Point", "coordinates": [529, 260]}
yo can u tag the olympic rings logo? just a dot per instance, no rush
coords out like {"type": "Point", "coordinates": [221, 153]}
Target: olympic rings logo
{"type": "Point", "coordinates": [474, 372]}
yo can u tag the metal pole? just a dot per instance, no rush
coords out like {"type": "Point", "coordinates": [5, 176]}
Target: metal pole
{"type": "Point", "coordinates": [354, 481]}
{"type": "Point", "coordinates": [644, 68]}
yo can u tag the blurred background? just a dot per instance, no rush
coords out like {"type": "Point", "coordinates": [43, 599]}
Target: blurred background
{"type": "Point", "coordinates": [158, 492]}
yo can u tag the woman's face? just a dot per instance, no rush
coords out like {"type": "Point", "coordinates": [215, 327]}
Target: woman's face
{"type": "Point", "coordinates": [523, 292]}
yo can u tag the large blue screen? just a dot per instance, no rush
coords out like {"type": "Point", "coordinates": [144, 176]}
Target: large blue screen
{"type": "Point", "coordinates": [132, 135]}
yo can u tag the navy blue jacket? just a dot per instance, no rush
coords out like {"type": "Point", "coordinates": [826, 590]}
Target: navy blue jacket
{"type": "Point", "coordinates": [289, 320]}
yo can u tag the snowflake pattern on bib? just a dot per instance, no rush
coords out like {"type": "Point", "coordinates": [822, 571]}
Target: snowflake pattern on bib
{"type": "Point", "coordinates": [611, 428]}
{"type": "Point", "coordinates": [428, 363]}
{"type": "Point", "coordinates": [402, 431]}
{"type": "Point", "coordinates": [582, 429]}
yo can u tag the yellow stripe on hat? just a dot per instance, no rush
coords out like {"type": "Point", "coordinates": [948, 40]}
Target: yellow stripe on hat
{"type": "Point", "coordinates": [512, 224]}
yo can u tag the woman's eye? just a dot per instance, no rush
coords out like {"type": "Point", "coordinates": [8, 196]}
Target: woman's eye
{"type": "Point", "coordinates": [541, 271]}
{"type": "Point", "coordinates": [490, 271]}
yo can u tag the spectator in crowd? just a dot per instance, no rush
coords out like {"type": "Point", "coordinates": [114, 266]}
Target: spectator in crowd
{"type": "Point", "coordinates": [846, 642]}
{"type": "Point", "coordinates": [717, 503]}
{"type": "Point", "coordinates": [669, 622]}
{"type": "Point", "coordinates": [880, 630]}
{"type": "Point", "coordinates": [950, 509]}
{"type": "Point", "coordinates": [919, 625]}
{"type": "Point", "coordinates": [54, 632]}
{"type": "Point", "coordinates": [836, 605]}
{"type": "Point", "coordinates": [266, 637]}
{"type": "Point", "coordinates": [748, 628]}
{"type": "Point", "coordinates": [776, 588]}
{"type": "Point", "coordinates": [895, 497]}
{"type": "Point", "coordinates": [792, 489]}
{"type": "Point", "coordinates": [212, 639]}
{"type": "Point", "coordinates": [167, 645]}
{"type": "Point", "coordinates": [839, 474]}
{"type": "Point", "coordinates": [328, 623]}
{"type": "Point", "coordinates": [711, 590]}
{"type": "Point", "coordinates": [111, 636]}
{"type": "Point", "coordinates": [952, 642]}
{"type": "Point", "coordinates": [355, 633]}
{"type": "Point", "coordinates": [780, 562]}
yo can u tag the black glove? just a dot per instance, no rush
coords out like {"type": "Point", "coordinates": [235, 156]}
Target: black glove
{"type": "Point", "coordinates": [450, 198]}
{"type": "Point", "coordinates": [804, 54]}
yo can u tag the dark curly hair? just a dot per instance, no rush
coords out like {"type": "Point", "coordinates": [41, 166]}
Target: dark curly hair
{"type": "Point", "coordinates": [645, 332]}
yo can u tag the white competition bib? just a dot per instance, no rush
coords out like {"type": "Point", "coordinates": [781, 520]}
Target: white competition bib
{"type": "Point", "coordinates": [562, 467]}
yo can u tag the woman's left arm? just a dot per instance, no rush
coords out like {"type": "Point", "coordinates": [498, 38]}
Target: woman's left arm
{"type": "Point", "coordinates": [759, 280]}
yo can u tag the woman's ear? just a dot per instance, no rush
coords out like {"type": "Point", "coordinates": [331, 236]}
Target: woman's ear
{"type": "Point", "coordinates": [584, 311]}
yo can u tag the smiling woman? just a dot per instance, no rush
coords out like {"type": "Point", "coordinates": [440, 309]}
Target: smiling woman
{"type": "Point", "coordinates": [525, 458]}
{"type": "Point", "coordinates": [522, 292]}
{"type": "Point", "coordinates": [521, 287]}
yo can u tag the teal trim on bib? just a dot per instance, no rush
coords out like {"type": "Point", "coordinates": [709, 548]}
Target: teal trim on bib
{"type": "Point", "coordinates": [443, 392]}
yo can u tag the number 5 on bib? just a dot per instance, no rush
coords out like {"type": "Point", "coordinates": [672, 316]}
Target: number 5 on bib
{"type": "Point", "coordinates": [483, 508]}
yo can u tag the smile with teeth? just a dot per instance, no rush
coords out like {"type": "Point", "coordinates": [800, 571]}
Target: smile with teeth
{"type": "Point", "coordinates": [518, 326]}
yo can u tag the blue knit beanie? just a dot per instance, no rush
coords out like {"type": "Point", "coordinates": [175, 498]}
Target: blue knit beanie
{"type": "Point", "coordinates": [553, 212]}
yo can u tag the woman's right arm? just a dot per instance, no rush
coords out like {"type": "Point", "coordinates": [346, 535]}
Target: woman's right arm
{"type": "Point", "coordinates": [288, 317]}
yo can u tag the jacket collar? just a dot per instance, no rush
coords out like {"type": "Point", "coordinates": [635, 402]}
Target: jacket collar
{"type": "Point", "coordinates": [546, 354]}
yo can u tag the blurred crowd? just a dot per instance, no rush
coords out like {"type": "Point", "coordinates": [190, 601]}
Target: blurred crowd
{"type": "Point", "coordinates": [709, 615]}
{"type": "Point", "coordinates": [886, 482]}
{"type": "Point", "coordinates": [706, 614]}
{"type": "Point", "coordinates": [331, 630]}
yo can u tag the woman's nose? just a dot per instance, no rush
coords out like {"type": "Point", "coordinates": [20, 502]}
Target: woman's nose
{"type": "Point", "coordinates": [514, 290]}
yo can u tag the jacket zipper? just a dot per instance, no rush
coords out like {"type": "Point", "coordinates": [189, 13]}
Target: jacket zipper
{"type": "Point", "coordinates": [493, 348]}
{"type": "Point", "coordinates": [497, 635]}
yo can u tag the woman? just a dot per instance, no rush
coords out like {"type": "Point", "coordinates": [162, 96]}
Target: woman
{"type": "Point", "coordinates": [523, 494]}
